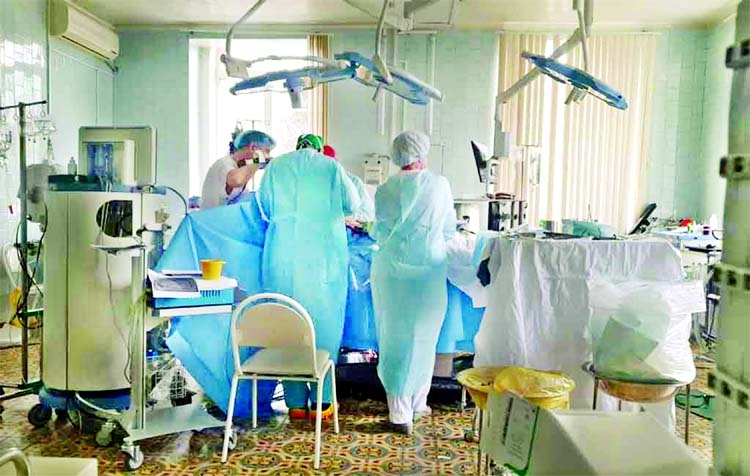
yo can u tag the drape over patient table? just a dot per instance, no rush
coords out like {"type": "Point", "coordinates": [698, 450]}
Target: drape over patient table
{"type": "Point", "coordinates": [235, 234]}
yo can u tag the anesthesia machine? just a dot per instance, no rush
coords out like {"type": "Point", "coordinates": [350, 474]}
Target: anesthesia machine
{"type": "Point", "coordinates": [111, 208]}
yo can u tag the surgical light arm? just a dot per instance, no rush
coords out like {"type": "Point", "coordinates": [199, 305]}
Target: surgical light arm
{"type": "Point", "coordinates": [582, 83]}
{"type": "Point", "coordinates": [234, 69]}
{"type": "Point", "coordinates": [378, 60]}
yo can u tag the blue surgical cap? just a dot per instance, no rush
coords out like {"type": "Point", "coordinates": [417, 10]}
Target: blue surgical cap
{"type": "Point", "coordinates": [259, 139]}
{"type": "Point", "coordinates": [410, 147]}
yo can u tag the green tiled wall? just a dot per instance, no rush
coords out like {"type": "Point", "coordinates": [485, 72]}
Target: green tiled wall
{"type": "Point", "coordinates": [690, 114]}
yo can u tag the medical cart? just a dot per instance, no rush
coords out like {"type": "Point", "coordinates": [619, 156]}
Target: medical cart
{"type": "Point", "coordinates": [139, 422]}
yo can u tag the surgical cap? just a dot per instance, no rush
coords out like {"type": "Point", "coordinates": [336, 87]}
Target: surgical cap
{"type": "Point", "coordinates": [329, 151]}
{"type": "Point", "coordinates": [310, 140]}
{"type": "Point", "coordinates": [259, 139]}
{"type": "Point", "coordinates": [410, 147]}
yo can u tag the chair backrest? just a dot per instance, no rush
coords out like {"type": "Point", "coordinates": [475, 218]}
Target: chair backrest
{"type": "Point", "coordinates": [272, 320]}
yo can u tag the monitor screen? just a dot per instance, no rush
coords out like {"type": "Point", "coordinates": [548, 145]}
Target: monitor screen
{"type": "Point", "coordinates": [481, 156]}
{"type": "Point", "coordinates": [643, 220]}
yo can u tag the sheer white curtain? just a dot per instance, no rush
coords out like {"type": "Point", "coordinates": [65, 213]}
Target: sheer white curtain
{"type": "Point", "coordinates": [594, 156]}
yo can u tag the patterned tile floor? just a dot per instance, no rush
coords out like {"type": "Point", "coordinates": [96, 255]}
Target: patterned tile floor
{"type": "Point", "coordinates": [364, 446]}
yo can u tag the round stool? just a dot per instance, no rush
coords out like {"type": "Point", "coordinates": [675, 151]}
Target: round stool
{"type": "Point", "coordinates": [639, 392]}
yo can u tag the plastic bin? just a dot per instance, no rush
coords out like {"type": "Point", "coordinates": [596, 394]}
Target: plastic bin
{"type": "Point", "coordinates": [550, 390]}
{"type": "Point", "coordinates": [479, 382]}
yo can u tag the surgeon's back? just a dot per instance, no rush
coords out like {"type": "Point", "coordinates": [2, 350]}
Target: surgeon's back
{"type": "Point", "coordinates": [304, 197]}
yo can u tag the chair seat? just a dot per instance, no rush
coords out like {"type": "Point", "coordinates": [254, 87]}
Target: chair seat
{"type": "Point", "coordinates": [286, 362]}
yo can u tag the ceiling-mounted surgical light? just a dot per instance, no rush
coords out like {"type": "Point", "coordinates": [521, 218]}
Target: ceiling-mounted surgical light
{"type": "Point", "coordinates": [581, 81]}
{"type": "Point", "coordinates": [370, 72]}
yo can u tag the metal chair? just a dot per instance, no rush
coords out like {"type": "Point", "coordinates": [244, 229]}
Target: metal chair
{"type": "Point", "coordinates": [18, 459]}
{"type": "Point", "coordinates": [284, 332]}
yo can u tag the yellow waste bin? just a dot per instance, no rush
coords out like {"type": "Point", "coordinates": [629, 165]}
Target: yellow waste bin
{"type": "Point", "coordinates": [479, 382]}
{"type": "Point", "coordinates": [545, 389]}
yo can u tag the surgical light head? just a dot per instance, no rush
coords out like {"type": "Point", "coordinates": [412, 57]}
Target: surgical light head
{"type": "Point", "coordinates": [582, 82]}
{"type": "Point", "coordinates": [410, 147]}
{"type": "Point", "coordinates": [296, 81]}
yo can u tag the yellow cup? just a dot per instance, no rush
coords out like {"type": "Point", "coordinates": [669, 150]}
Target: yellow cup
{"type": "Point", "coordinates": [211, 268]}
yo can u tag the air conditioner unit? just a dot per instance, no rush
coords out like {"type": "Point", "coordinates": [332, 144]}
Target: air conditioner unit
{"type": "Point", "coordinates": [83, 29]}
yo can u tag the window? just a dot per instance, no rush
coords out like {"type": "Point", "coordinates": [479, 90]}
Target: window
{"type": "Point", "coordinates": [594, 157]}
{"type": "Point", "coordinates": [215, 113]}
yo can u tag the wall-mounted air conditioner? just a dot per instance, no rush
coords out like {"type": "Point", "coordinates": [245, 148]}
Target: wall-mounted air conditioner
{"type": "Point", "coordinates": [84, 30]}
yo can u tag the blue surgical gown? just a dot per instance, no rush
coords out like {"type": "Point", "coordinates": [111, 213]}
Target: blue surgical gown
{"type": "Point", "coordinates": [414, 219]}
{"type": "Point", "coordinates": [304, 197]}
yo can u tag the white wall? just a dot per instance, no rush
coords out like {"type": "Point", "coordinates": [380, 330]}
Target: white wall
{"type": "Point", "coordinates": [152, 89]}
{"type": "Point", "coordinates": [466, 73]}
{"type": "Point", "coordinates": [81, 94]}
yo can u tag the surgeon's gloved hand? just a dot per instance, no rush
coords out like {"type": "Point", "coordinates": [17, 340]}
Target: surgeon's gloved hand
{"type": "Point", "coordinates": [353, 223]}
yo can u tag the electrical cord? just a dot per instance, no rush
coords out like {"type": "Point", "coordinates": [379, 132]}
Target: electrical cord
{"type": "Point", "coordinates": [182, 197]}
{"type": "Point", "coordinates": [114, 318]}
{"type": "Point", "coordinates": [23, 255]}
{"type": "Point", "coordinates": [95, 407]}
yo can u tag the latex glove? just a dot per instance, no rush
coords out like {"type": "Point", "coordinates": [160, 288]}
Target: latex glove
{"type": "Point", "coordinates": [353, 223]}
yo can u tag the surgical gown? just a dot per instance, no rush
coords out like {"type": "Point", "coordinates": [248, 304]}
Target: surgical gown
{"type": "Point", "coordinates": [366, 210]}
{"type": "Point", "coordinates": [414, 220]}
{"type": "Point", "coordinates": [304, 197]}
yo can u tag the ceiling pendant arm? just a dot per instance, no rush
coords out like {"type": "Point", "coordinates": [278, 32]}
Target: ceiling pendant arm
{"type": "Point", "coordinates": [378, 60]}
{"type": "Point", "coordinates": [244, 17]}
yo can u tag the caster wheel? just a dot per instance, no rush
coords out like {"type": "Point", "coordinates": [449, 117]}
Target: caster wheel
{"type": "Point", "coordinates": [134, 458]}
{"type": "Point", "coordinates": [39, 415]}
{"type": "Point", "coordinates": [470, 436]}
{"type": "Point", "coordinates": [104, 437]}
{"type": "Point", "coordinates": [233, 439]}
{"type": "Point", "coordinates": [61, 415]}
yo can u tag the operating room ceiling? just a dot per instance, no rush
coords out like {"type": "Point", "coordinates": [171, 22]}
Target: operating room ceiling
{"type": "Point", "coordinates": [512, 14]}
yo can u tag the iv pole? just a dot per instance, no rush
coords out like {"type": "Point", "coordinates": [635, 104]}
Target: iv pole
{"type": "Point", "coordinates": [25, 387]}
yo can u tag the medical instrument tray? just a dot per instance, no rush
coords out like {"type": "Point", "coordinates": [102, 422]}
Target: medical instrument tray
{"type": "Point", "coordinates": [209, 297]}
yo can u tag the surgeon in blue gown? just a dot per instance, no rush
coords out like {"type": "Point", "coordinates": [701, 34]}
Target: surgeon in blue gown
{"type": "Point", "coordinates": [304, 197]}
{"type": "Point", "coordinates": [414, 219]}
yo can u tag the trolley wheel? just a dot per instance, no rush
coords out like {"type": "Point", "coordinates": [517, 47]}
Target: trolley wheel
{"type": "Point", "coordinates": [39, 415]}
{"type": "Point", "coordinates": [104, 436]}
{"type": "Point", "coordinates": [134, 458]}
{"type": "Point", "coordinates": [61, 415]}
{"type": "Point", "coordinates": [233, 439]}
